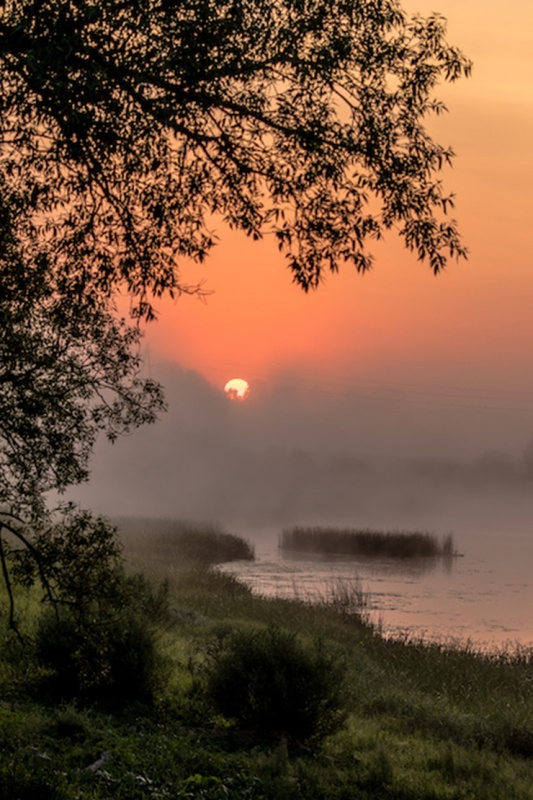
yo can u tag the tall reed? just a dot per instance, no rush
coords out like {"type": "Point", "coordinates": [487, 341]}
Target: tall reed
{"type": "Point", "coordinates": [329, 541]}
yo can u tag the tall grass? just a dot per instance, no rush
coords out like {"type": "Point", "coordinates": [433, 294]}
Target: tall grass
{"type": "Point", "coordinates": [331, 542]}
{"type": "Point", "coordinates": [346, 596]}
{"type": "Point", "coordinates": [156, 546]}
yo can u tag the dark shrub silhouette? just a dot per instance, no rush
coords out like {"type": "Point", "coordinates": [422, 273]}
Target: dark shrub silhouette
{"type": "Point", "coordinates": [110, 664]}
{"type": "Point", "coordinates": [271, 682]}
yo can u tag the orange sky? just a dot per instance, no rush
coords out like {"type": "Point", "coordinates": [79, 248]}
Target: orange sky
{"type": "Point", "coordinates": [399, 325]}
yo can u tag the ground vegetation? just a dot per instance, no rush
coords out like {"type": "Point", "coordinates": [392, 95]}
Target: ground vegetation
{"type": "Point", "coordinates": [421, 721]}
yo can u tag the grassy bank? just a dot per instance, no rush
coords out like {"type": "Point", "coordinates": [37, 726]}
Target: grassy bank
{"type": "Point", "coordinates": [421, 721]}
{"type": "Point", "coordinates": [164, 546]}
{"type": "Point", "coordinates": [324, 541]}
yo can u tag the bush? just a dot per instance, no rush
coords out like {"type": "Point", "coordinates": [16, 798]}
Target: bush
{"type": "Point", "coordinates": [74, 557]}
{"type": "Point", "coordinates": [18, 783]}
{"type": "Point", "coordinates": [111, 664]}
{"type": "Point", "coordinates": [269, 681]}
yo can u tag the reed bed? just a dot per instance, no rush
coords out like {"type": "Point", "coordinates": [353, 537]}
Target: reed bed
{"type": "Point", "coordinates": [178, 544]}
{"type": "Point", "coordinates": [332, 542]}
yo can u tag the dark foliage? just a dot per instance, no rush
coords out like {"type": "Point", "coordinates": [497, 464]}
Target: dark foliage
{"type": "Point", "coordinates": [269, 681]}
{"type": "Point", "coordinates": [74, 557]}
{"type": "Point", "coordinates": [18, 783]}
{"type": "Point", "coordinates": [111, 663]}
{"type": "Point", "coordinates": [126, 127]}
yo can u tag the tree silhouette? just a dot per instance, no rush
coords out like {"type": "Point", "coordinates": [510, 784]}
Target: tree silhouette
{"type": "Point", "coordinates": [128, 127]}
{"type": "Point", "coordinates": [67, 372]}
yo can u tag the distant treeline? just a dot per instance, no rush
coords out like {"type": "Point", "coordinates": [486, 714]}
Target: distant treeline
{"type": "Point", "coordinates": [366, 542]}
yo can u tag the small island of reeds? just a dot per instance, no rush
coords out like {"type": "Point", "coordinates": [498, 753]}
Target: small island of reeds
{"type": "Point", "coordinates": [354, 542]}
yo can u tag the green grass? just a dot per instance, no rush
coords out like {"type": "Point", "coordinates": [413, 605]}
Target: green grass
{"type": "Point", "coordinates": [424, 722]}
{"type": "Point", "coordinates": [328, 542]}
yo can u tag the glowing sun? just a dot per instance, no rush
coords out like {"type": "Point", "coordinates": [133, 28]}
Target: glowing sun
{"type": "Point", "coordinates": [237, 389]}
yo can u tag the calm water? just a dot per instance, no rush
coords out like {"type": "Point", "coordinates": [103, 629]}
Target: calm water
{"type": "Point", "coordinates": [485, 596]}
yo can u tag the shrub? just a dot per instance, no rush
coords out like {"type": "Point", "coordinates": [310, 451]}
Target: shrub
{"type": "Point", "coordinates": [151, 599]}
{"type": "Point", "coordinates": [269, 681]}
{"type": "Point", "coordinates": [111, 663]}
{"type": "Point", "coordinates": [16, 781]}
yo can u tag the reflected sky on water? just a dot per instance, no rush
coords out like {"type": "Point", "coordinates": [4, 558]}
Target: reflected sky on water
{"type": "Point", "coordinates": [484, 597]}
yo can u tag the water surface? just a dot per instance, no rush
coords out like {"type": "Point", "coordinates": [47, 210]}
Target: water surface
{"type": "Point", "coordinates": [484, 597]}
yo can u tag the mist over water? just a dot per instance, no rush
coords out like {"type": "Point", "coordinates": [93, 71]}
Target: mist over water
{"type": "Point", "coordinates": [289, 456]}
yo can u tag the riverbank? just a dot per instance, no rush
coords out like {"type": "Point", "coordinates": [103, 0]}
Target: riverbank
{"type": "Point", "coordinates": [421, 721]}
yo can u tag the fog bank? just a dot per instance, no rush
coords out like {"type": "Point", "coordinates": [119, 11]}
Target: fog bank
{"type": "Point", "coordinates": [287, 456]}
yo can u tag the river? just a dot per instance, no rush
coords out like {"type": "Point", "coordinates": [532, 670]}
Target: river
{"type": "Point", "coordinates": [483, 598]}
